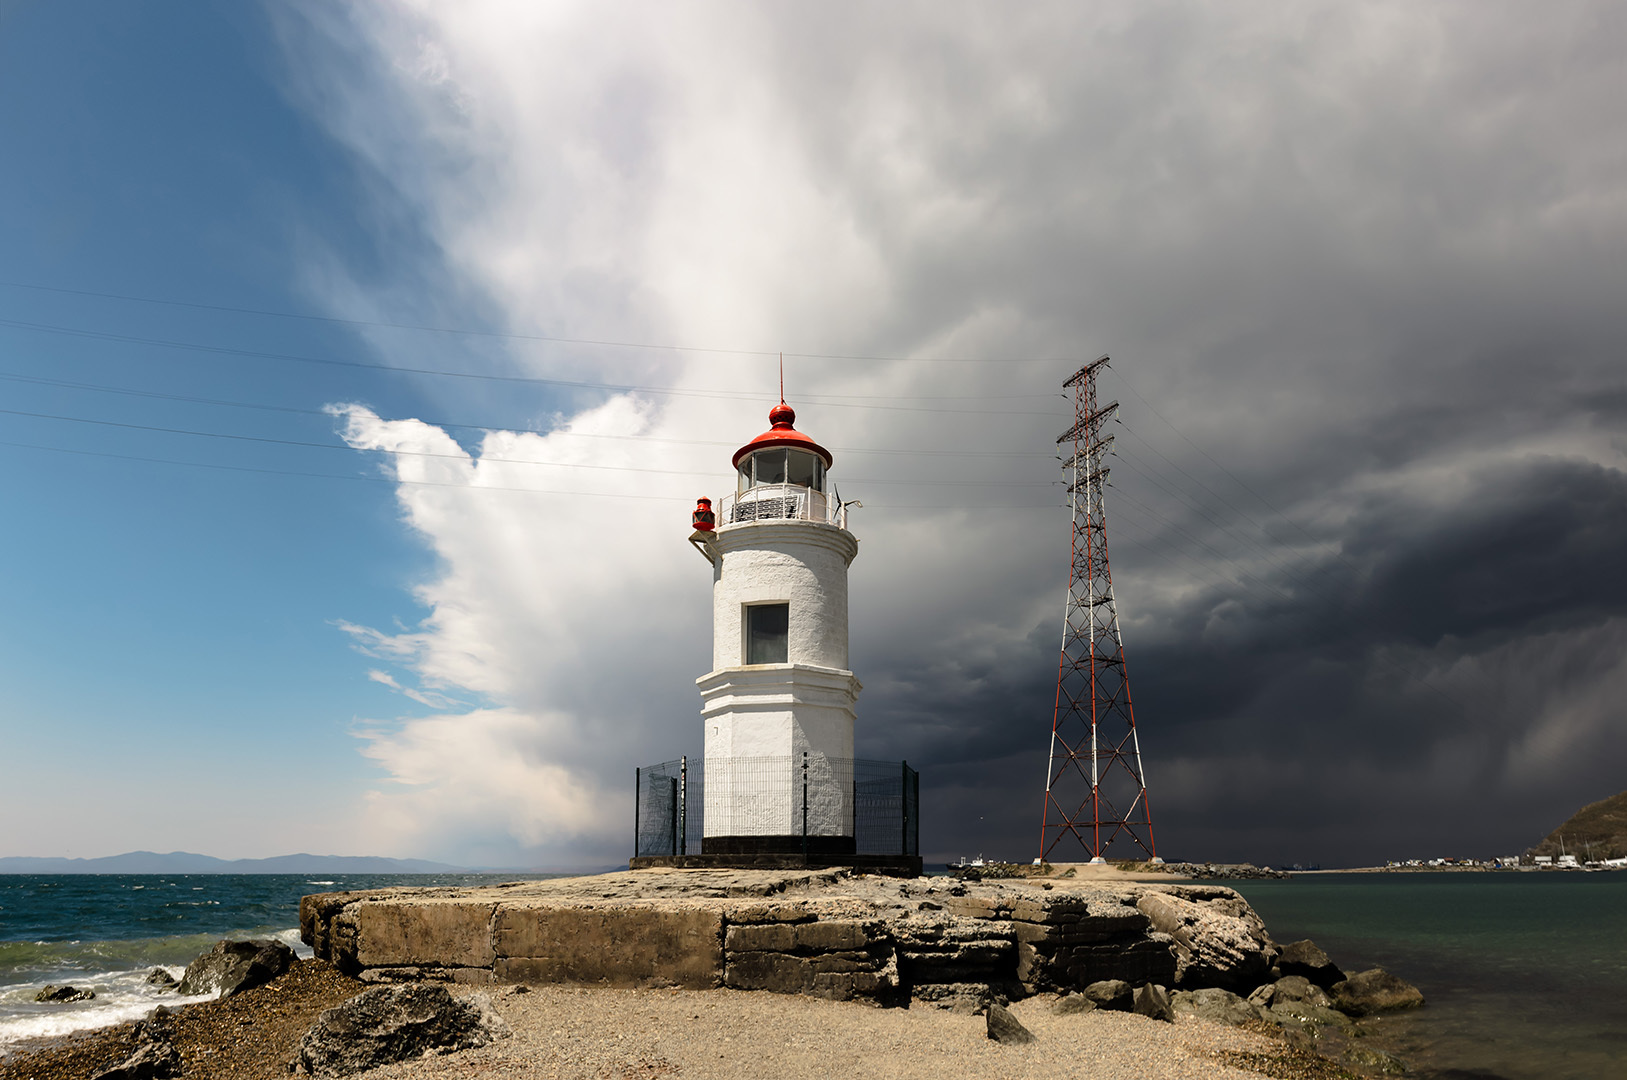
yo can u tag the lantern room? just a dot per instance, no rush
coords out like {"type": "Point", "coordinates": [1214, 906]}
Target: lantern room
{"type": "Point", "coordinates": [782, 472]}
{"type": "Point", "coordinates": [782, 455]}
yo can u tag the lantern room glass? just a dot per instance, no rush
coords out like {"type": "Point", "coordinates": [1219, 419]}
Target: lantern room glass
{"type": "Point", "coordinates": [779, 465]}
{"type": "Point", "coordinates": [770, 465]}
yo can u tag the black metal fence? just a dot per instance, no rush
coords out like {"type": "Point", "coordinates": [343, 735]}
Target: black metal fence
{"type": "Point", "coordinates": [669, 806]}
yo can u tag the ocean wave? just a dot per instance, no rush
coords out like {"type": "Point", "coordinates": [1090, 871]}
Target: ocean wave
{"type": "Point", "coordinates": [120, 996]}
{"type": "Point", "coordinates": [25, 961]}
{"type": "Point", "coordinates": [116, 970]}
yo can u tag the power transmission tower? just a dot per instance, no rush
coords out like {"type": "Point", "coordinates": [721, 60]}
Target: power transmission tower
{"type": "Point", "coordinates": [1094, 784]}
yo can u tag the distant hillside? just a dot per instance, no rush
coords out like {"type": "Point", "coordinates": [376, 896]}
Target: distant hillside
{"type": "Point", "coordinates": [1598, 830]}
{"type": "Point", "coordinates": [183, 862]}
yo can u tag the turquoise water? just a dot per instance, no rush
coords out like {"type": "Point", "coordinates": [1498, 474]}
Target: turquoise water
{"type": "Point", "coordinates": [106, 931]}
{"type": "Point", "coordinates": [1524, 974]}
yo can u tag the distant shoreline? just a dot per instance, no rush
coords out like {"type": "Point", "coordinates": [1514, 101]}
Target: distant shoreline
{"type": "Point", "coordinates": [1455, 870]}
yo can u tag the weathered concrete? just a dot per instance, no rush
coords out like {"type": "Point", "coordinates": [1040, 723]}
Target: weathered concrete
{"type": "Point", "coordinates": [608, 944]}
{"type": "Point", "coordinates": [829, 933]}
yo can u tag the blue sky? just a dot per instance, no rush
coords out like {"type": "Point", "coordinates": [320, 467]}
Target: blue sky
{"type": "Point", "coordinates": [1358, 271]}
{"type": "Point", "coordinates": [171, 663]}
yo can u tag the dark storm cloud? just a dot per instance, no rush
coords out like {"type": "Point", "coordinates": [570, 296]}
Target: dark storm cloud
{"type": "Point", "coordinates": [1378, 281]}
{"type": "Point", "coordinates": [1337, 670]}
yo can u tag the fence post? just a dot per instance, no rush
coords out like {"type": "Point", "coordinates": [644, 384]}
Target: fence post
{"type": "Point", "coordinates": [672, 816]}
{"type": "Point", "coordinates": [638, 782]}
{"type": "Point", "coordinates": [805, 805]}
{"type": "Point", "coordinates": [904, 802]}
{"type": "Point", "coordinates": [915, 819]}
{"type": "Point", "coordinates": [683, 804]}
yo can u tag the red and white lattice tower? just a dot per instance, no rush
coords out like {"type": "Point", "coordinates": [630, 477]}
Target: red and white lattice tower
{"type": "Point", "coordinates": [1095, 790]}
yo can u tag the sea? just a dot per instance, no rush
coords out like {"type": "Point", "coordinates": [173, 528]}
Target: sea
{"type": "Point", "coordinates": [1525, 973]}
{"type": "Point", "coordinates": [108, 931]}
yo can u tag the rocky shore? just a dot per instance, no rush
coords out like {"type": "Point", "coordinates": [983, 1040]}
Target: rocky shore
{"type": "Point", "coordinates": [1156, 978]}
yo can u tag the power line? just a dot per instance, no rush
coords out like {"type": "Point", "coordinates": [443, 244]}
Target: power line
{"type": "Point", "coordinates": [553, 339]}
{"type": "Point", "coordinates": [1234, 477]}
{"type": "Point", "coordinates": [1311, 586]}
{"type": "Point", "coordinates": [470, 458]}
{"type": "Point", "coordinates": [619, 388]}
{"type": "Point", "coordinates": [294, 410]}
{"type": "Point", "coordinates": [1264, 552]}
{"type": "Point", "coordinates": [396, 482]}
{"type": "Point", "coordinates": [329, 476]}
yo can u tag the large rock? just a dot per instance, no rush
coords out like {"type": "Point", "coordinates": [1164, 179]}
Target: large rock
{"type": "Point", "coordinates": [1300, 1015]}
{"type": "Point", "coordinates": [1073, 1004]}
{"type": "Point", "coordinates": [160, 978]}
{"type": "Point", "coordinates": [1113, 994]}
{"type": "Point", "coordinates": [1290, 989]}
{"type": "Point", "coordinates": [1219, 940]}
{"type": "Point", "coordinates": [59, 995]}
{"type": "Point", "coordinates": [1213, 1003]}
{"type": "Point", "coordinates": [1005, 1028]}
{"type": "Point", "coordinates": [1304, 958]}
{"type": "Point", "coordinates": [1372, 1059]}
{"type": "Point", "coordinates": [1375, 991]}
{"type": "Point", "coordinates": [394, 1023]}
{"type": "Point", "coordinates": [1153, 1002]}
{"type": "Point", "coordinates": [151, 1061]}
{"type": "Point", "coordinates": [155, 1056]}
{"type": "Point", "coordinates": [235, 966]}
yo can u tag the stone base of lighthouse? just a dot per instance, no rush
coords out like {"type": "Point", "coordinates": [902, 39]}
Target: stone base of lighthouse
{"type": "Point", "coordinates": [779, 760]}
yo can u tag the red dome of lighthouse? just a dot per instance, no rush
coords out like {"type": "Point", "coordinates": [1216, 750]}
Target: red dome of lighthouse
{"type": "Point", "coordinates": [782, 416]}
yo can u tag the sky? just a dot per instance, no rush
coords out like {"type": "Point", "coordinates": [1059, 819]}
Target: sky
{"type": "Point", "coordinates": [360, 365]}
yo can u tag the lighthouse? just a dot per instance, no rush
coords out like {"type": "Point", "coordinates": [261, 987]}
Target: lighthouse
{"type": "Point", "coordinates": [778, 704]}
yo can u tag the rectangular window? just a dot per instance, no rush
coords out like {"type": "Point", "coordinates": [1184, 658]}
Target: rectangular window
{"type": "Point", "coordinates": [767, 626]}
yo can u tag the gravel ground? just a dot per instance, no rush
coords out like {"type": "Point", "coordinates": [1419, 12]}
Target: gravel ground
{"type": "Point", "coordinates": [738, 1035]}
{"type": "Point", "coordinates": [570, 1032]}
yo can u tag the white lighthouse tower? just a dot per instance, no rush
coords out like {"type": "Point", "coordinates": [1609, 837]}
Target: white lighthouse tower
{"type": "Point", "coordinates": [778, 702]}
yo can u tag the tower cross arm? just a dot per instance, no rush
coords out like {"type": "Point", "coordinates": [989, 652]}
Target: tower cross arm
{"type": "Point", "coordinates": [1083, 458]}
{"type": "Point", "coordinates": [1086, 423]}
{"type": "Point", "coordinates": [1084, 373]}
{"type": "Point", "coordinates": [1091, 478]}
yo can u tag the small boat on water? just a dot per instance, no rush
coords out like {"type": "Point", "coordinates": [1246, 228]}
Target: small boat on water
{"type": "Point", "coordinates": [967, 864]}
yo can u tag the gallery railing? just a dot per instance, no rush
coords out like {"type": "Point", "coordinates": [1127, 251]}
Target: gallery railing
{"type": "Point", "coordinates": [883, 799]}
{"type": "Point", "coordinates": [782, 502]}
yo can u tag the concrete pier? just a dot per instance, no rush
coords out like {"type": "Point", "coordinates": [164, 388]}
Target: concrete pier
{"type": "Point", "coordinates": [829, 933]}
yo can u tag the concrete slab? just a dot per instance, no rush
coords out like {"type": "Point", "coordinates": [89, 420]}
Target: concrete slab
{"type": "Point", "coordinates": [830, 932]}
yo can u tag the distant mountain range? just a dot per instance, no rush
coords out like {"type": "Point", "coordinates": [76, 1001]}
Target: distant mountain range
{"type": "Point", "coordinates": [1596, 831]}
{"type": "Point", "coordinates": [184, 862]}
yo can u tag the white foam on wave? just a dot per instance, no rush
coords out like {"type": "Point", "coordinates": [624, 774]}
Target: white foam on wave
{"type": "Point", "coordinates": [120, 996]}
{"type": "Point", "coordinates": [290, 938]}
